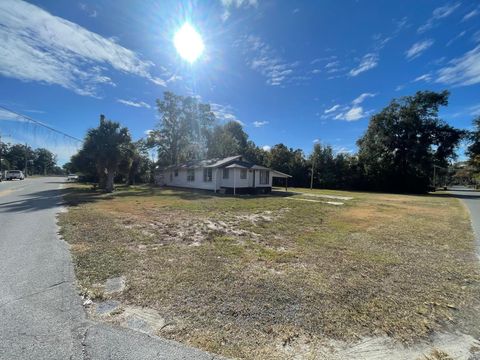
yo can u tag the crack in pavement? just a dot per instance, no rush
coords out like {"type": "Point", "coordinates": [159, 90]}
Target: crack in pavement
{"type": "Point", "coordinates": [23, 297]}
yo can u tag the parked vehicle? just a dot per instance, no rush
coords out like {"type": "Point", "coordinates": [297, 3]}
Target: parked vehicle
{"type": "Point", "coordinates": [14, 174]}
{"type": "Point", "coordinates": [72, 177]}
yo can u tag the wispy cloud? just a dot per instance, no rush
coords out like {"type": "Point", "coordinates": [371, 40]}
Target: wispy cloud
{"type": "Point", "coordinates": [438, 14]}
{"type": "Point", "coordinates": [350, 112]}
{"type": "Point", "coordinates": [38, 46]}
{"type": "Point", "coordinates": [137, 104]}
{"type": "Point", "coordinates": [91, 12]}
{"type": "Point", "coordinates": [459, 35]}
{"type": "Point", "coordinates": [262, 58]}
{"type": "Point", "coordinates": [471, 14]}
{"type": "Point", "coordinates": [461, 71]}
{"type": "Point", "coordinates": [369, 61]}
{"type": "Point", "coordinates": [229, 5]}
{"type": "Point", "coordinates": [362, 97]}
{"type": "Point", "coordinates": [332, 109]}
{"type": "Point", "coordinates": [224, 113]}
{"type": "Point", "coordinates": [9, 116]}
{"type": "Point", "coordinates": [258, 124]}
{"type": "Point", "coordinates": [418, 48]}
{"type": "Point", "coordinates": [424, 77]}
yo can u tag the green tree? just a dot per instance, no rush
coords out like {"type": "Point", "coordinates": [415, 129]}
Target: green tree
{"type": "Point", "coordinates": [18, 155]}
{"type": "Point", "coordinates": [289, 161]}
{"type": "Point", "coordinates": [183, 129]}
{"type": "Point", "coordinates": [324, 171]}
{"type": "Point", "coordinates": [473, 150]}
{"type": "Point", "coordinates": [103, 149]}
{"type": "Point", "coordinates": [44, 161]}
{"type": "Point", "coordinates": [227, 140]}
{"type": "Point", "coordinates": [405, 140]}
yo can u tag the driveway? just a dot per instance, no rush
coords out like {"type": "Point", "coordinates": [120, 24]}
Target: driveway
{"type": "Point", "coordinates": [41, 315]}
{"type": "Point", "coordinates": [471, 199]}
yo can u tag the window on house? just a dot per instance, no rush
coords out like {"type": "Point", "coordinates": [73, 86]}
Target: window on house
{"type": "Point", "coordinates": [226, 173]}
{"type": "Point", "coordinates": [264, 177]}
{"type": "Point", "coordinates": [171, 176]}
{"type": "Point", "coordinates": [176, 172]}
{"type": "Point", "coordinates": [243, 173]}
{"type": "Point", "coordinates": [207, 175]}
{"type": "Point", "coordinates": [190, 175]}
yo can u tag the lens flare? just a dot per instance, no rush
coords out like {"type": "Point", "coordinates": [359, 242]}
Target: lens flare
{"type": "Point", "coordinates": [189, 43]}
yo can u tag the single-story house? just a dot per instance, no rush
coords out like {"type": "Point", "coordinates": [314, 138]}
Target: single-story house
{"type": "Point", "coordinates": [231, 175]}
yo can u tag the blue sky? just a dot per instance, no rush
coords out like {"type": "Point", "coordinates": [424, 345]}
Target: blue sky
{"type": "Point", "coordinates": [291, 72]}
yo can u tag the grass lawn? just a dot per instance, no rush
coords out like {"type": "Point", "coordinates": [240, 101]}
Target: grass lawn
{"type": "Point", "coordinates": [250, 277]}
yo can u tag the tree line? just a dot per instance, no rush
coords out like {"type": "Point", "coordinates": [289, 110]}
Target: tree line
{"type": "Point", "coordinates": [38, 161]}
{"type": "Point", "coordinates": [398, 152]}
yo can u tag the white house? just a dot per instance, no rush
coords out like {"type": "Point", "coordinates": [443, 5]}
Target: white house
{"type": "Point", "coordinates": [230, 175]}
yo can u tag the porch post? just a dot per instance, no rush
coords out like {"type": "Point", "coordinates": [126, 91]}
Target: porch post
{"type": "Point", "coordinates": [234, 174]}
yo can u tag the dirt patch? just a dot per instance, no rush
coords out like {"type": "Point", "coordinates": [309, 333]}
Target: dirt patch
{"type": "Point", "coordinates": [168, 227]}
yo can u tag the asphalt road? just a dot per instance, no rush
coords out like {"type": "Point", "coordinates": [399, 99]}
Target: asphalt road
{"type": "Point", "coordinates": [41, 315]}
{"type": "Point", "coordinates": [471, 199]}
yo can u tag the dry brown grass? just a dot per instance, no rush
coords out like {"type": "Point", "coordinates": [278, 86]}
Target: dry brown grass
{"type": "Point", "coordinates": [250, 277]}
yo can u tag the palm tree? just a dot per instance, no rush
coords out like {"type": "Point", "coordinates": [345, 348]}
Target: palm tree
{"type": "Point", "coordinates": [107, 145]}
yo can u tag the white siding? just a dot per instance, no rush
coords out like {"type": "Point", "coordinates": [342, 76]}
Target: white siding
{"type": "Point", "coordinates": [181, 180]}
{"type": "Point", "coordinates": [239, 183]}
{"type": "Point", "coordinates": [257, 179]}
{"type": "Point", "coordinates": [170, 179]}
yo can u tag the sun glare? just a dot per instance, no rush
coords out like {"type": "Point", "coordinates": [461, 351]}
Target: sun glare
{"type": "Point", "coordinates": [189, 43]}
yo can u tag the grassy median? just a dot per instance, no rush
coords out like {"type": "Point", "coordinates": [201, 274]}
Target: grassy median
{"type": "Point", "coordinates": [251, 276]}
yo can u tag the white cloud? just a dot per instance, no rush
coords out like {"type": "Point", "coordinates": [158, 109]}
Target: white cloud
{"type": "Point", "coordinates": [88, 10]}
{"type": "Point", "coordinates": [331, 64]}
{"type": "Point", "coordinates": [355, 113]}
{"type": "Point", "coordinates": [9, 116]}
{"type": "Point", "coordinates": [460, 35]}
{"type": "Point", "coordinates": [461, 71]}
{"type": "Point", "coordinates": [369, 61]}
{"type": "Point", "coordinates": [332, 109]}
{"type": "Point", "coordinates": [229, 5]}
{"type": "Point", "coordinates": [351, 112]}
{"type": "Point", "coordinates": [316, 71]}
{"type": "Point", "coordinates": [362, 98]}
{"type": "Point", "coordinates": [266, 147]}
{"type": "Point", "coordinates": [316, 141]}
{"type": "Point", "coordinates": [38, 46]}
{"type": "Point", "coordinates": [258, 124]}
{"type": "Point", "coordinates": [471, 14]}
{"type": "Point", "coordinates": [438, 14]}
{"type": "Point", "coordinates": [134, 103]}
{"type": "Point", "coordinates": [424, 77]}
{"type": "Point", "coordinates": [296, 11]}
{"type": "Point", "coordinates": [418, 48]}
{"type": "Point", "coordinates": [224, 113]}
{"type": "Point", "coordinates": [262, 58]}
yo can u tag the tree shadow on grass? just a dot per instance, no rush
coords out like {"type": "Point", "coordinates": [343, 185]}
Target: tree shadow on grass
{"type": "Point", "coordinates": [75, 196]}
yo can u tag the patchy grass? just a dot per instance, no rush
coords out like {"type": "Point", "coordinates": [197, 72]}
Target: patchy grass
{"type": "Point", "coordinates": [250, 276]}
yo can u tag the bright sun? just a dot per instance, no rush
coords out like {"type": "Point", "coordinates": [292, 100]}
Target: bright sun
{"type": "Point", "coordinates": [189, 43]}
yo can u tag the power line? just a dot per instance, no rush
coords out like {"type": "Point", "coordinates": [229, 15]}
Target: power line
{"type": "Point", "coordinates": [41, 124]}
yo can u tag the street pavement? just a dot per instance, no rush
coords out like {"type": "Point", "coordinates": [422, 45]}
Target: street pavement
{"type": "Point", "coordinates": [471, 198]}
{"type": "Point", "coordinates": [41, 314]}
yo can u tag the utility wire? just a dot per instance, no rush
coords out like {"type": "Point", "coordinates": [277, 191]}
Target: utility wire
{"type": "Point", "coordinates": [41, 124]}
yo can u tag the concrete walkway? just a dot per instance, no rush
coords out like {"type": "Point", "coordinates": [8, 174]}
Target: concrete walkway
{"type": "Point", "coordinates": [41, 316]}
{"type": "Point", "coordinates": [471, 199]}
